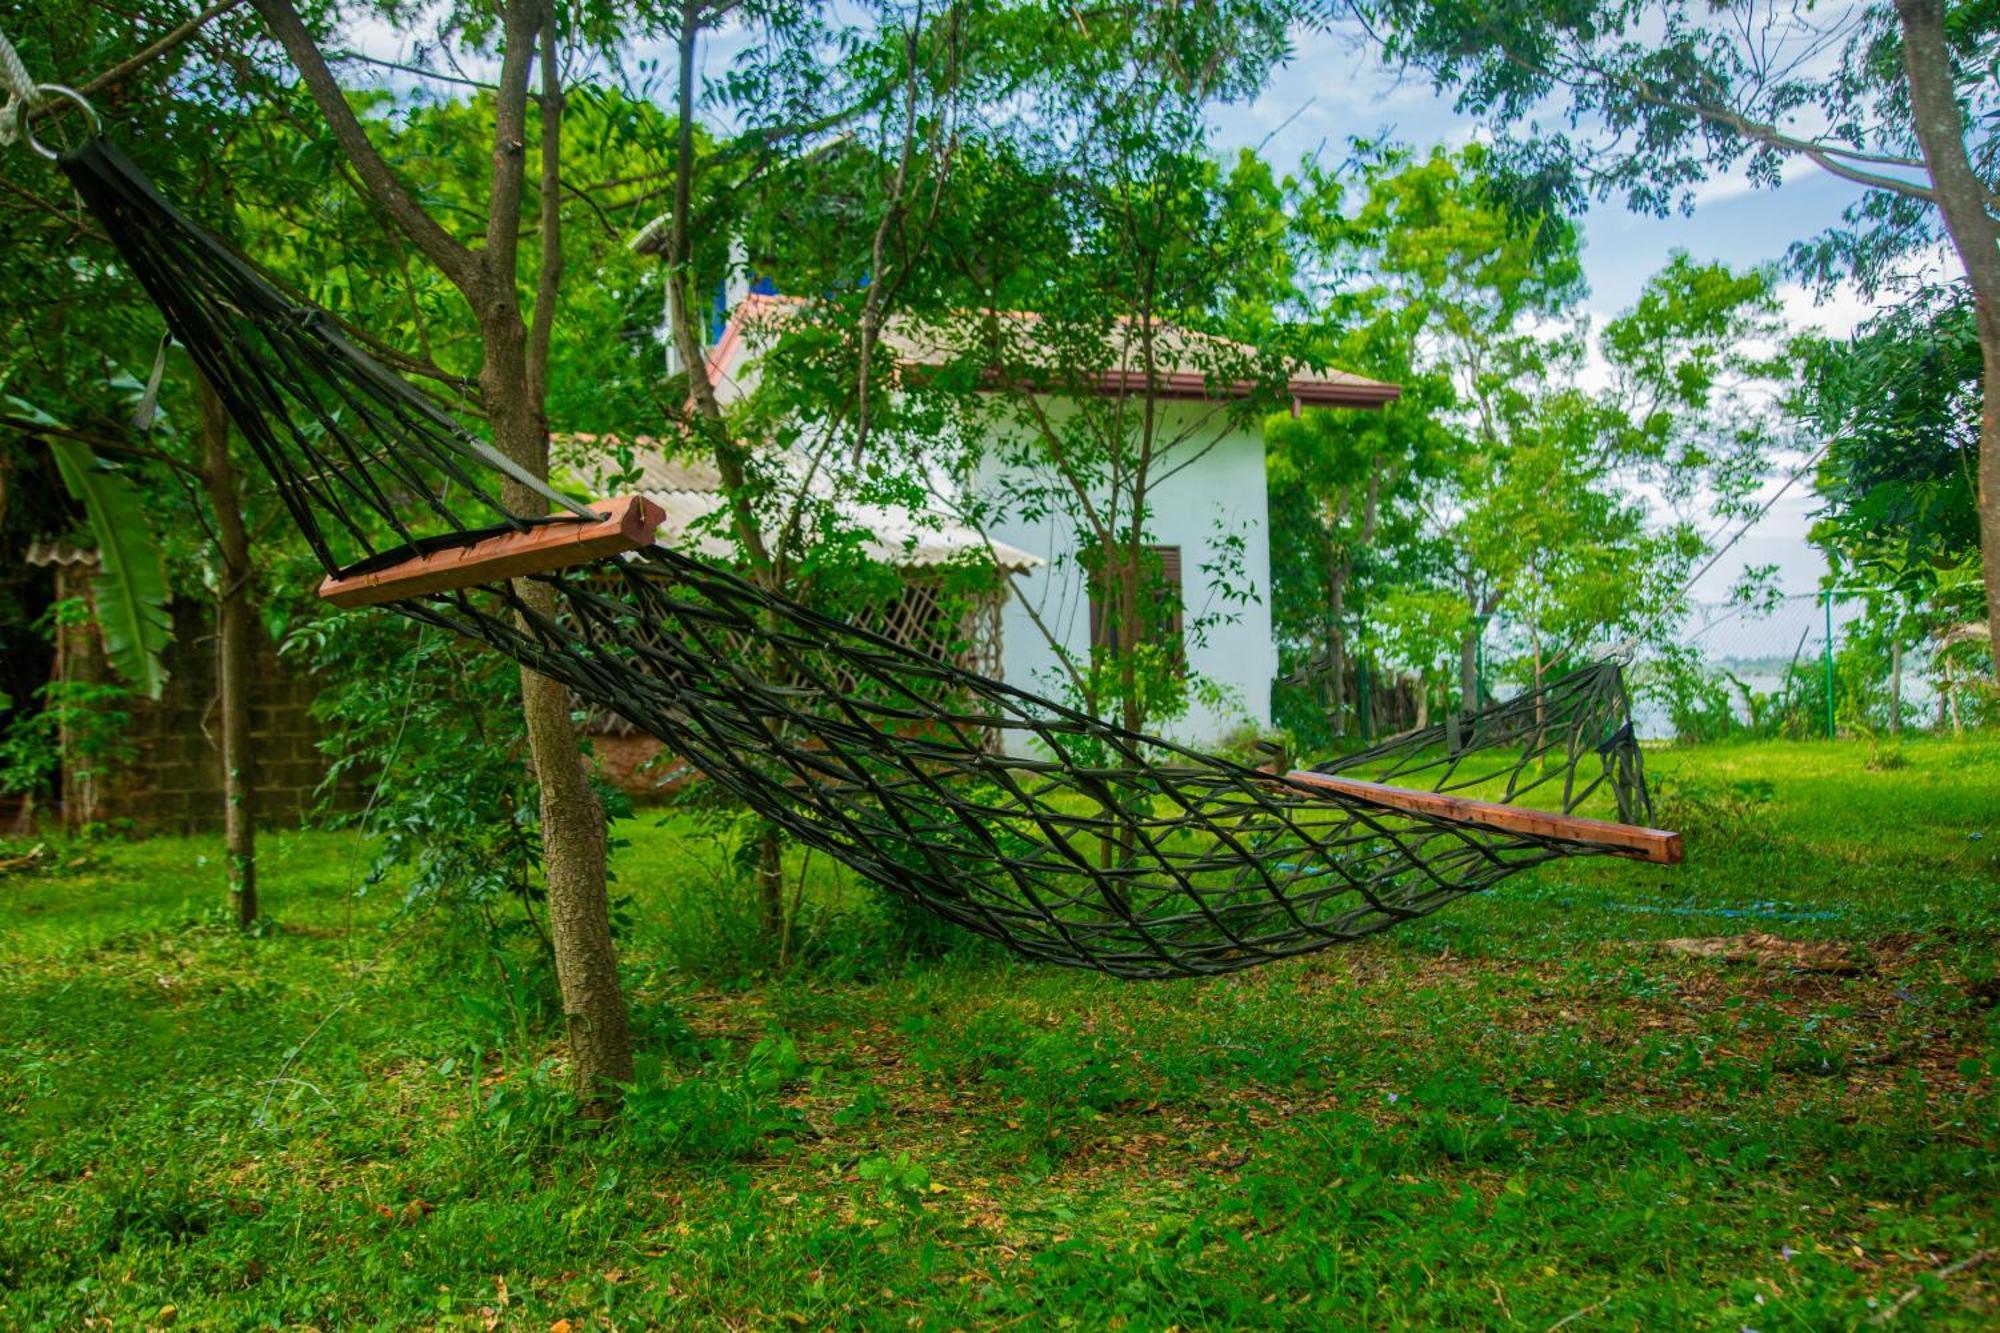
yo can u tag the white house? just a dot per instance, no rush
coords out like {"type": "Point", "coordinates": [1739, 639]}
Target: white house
{"type": "Point", "coordinates": [1208, 513]}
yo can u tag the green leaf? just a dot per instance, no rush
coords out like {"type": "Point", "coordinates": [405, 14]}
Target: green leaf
{"type": "Point", "coordinates": [131, 585]}
{"type": "Point", "coordinates": [27, 409]}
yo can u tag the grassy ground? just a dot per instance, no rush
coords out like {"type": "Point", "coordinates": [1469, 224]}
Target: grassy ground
{"type": "Point", "coordinates": [1527, 1111]}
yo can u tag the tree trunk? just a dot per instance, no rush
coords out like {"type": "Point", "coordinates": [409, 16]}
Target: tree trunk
{"type": "Point", "coordinates": [573, 869]}
{"type": "Point", "coordinates": [513, 382]}
{"type": "Point", "coordinates": [1541, 704]}
{"type": "Point", "coordinates": [1338, 564]}
{"type": "Point", "coordinates": [1989, 467]}
{"type": "Point", "coordinates": [771, 883]}
{"type": "Point", "coordinates": [1336, 644]}
{"type": "Point", "coordinates": [79, 662]}
{"type": "Point", "coordinates": [232, 657]}
{"type": "Point", "coordinates": [1975, 234]}
{"type": "Point", "coordinates": [514, 379]}
{"type": "Point", "coordinates": [1468, 670]}
{"type": "Point", "coordinates": [1895, 689]}
{"type": "Point", "coordinates": [573, 834]}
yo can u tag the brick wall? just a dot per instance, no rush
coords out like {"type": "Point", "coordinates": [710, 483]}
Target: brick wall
{"type": "Point", "coordinates": [175, 782]}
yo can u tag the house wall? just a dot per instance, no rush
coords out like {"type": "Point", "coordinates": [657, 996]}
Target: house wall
{"type": "Point", "coordinates": [1221, 489]}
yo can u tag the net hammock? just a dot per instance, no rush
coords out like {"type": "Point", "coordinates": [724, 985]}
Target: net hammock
{"type": "Point", "coordinates": [1068, 839]}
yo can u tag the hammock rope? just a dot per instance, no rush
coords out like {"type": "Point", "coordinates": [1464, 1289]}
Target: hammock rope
{"type": "Point", "coordinates": [1068, 839]}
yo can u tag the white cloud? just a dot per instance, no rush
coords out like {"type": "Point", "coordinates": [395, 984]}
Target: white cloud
{"type": "Point", "coordinates": [1837, 314]}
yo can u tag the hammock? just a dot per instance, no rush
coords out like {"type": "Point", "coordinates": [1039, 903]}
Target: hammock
{"type": "Point", "coordinates": [1068, 839]}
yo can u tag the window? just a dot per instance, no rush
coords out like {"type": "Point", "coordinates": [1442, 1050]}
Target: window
{"type": "Point", "coordinates": [1159, 596]}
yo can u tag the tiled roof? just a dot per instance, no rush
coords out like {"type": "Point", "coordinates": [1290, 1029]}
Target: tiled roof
{"type": "Point", "coordinates": [45, 551]}
{"type": "Point", "coordinates": [1185, 361]}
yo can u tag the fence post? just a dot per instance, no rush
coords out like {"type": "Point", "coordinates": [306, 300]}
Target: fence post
{"type": "Point", "coordinates": [1828, 655]}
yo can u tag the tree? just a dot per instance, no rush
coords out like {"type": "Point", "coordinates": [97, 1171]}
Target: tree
{"type": "Point", "coordinates": [1898, 99]}
{"type": "Point", "coordinates": [1421, 275]}
{"type": "Point", "coordinates": [1523, 471]}
{"type": "Point", "coordinates": [1570, 559]}
{"type": "Point", "coordinates": [513, 384]}
{"type": "Point", "coordinates": [833, 182]}
{"type": "Point", "coordinates": [74, 378]}
{"type": "Point", "coordinates": [1467, 287]}
{"type": "Point", "coordinates": [1897, 406]}
{"type": "Point", "coordinates": [1343, 481]}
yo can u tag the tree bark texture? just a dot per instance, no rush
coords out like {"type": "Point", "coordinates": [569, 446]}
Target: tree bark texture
{"type": "Point", "coordinates": [79, 661]}
{"type": "Point", "coordinates": [233, 642]}
{"type": "Point", "coordinates": [1975, 234]}
{"type": "Point", "coordinates": [771, 883]}
{"type": "Point", "coordinates": [513, 381]}
{"type": "Point", "coordinates": [573, 832]}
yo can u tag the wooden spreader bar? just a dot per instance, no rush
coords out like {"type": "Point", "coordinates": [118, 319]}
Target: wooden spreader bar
{"type": "Point", "coordinates": [1641, 844]}
{"type": "Point", "coordinates": [626, 525]}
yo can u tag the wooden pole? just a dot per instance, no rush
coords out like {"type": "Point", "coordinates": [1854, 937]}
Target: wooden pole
{"type": "Point", "coordinates": [624, 525]}
{"type": "Point", "coordinates": [1643, 844]}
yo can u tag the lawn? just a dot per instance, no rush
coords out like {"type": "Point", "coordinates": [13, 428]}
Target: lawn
{"type": "Point", "coordinates": [1529, 1110]}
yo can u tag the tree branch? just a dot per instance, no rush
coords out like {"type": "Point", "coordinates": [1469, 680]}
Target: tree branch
{"type": "Point", "coordinates": [548, 280]}
{"type": "Point", "coordinates": [729, 457]}
{"type": "Point", "coordinates": [384, 187]}
{"type": "Point", "coordinates": [498, 261]}
{"type": "Point", "coordinates": [167, 43]}
{"type": "Point", "coordinates": [872, 304]}
{"type": "Point", "coordinates": [54, 210]}
{"type": "Point", "coordinates": [1819, 154]}
{"type": "Point", "coordinates": [355, 56]}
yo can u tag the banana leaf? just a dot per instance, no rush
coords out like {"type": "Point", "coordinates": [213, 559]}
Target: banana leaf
{"type": "Point", "coordinates": [131, 583]}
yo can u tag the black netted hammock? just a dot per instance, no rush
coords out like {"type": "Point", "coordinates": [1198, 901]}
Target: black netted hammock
{"type": "Point", "coordinates": [1067, 839]}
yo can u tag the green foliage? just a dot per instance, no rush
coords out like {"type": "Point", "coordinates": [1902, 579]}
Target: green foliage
{"type": "Point", "coordinates": [1898, 405]}
{"type": "Point", "coordinates": [77, 722]}
{"type": "Point", "coordinates": [431, 730]}
{"type": "Point", "coordinates": [1097, 135]}
{"type": "Point", "coordinates": [130, 589]}
{"type": "Point", "coordinates": [78, 337]}
{"type": "Point", "coordinates": [1495, 500]}
{"type": "Point", "coordinates": [728, 1112]}
{"type": "Point", "coordinates": [1650, 104]}
{"type": "Point", "coordinates": [91, 718]}
{"type": "Point", "coordinates": [1712, 811]}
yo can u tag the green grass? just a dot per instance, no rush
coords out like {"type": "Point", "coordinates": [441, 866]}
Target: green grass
{"type": "Point", "coordinates": [1520, 1111]}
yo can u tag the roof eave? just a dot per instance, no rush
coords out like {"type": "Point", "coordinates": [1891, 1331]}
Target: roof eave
{"type": "Point", "coordinates": [1311, 393]}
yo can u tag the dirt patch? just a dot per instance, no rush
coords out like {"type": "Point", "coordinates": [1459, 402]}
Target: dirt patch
{"type": "Point", "coordinates": [1757, 949]}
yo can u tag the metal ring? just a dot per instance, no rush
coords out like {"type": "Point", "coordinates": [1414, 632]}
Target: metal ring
{"type": "Point", "coordinates": [26, 133]}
